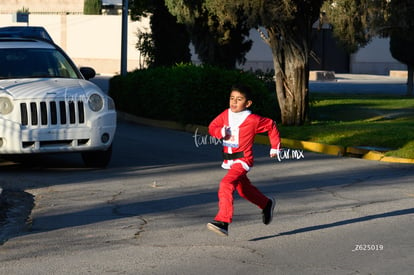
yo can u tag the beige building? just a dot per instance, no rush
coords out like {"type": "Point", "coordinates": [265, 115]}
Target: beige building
{"type": "Point", "coordinates": [90, 40]}
{"type": "Point", "coordinates": [42, 6]}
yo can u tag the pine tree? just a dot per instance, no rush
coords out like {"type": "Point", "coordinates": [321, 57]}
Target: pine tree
{"type": "Point", "coordinates": [216, 43]}
{"type": "Point", "coordinates": [286, 29]}
{"type": "Point", "coordinates": [92, 7]}
{"type": "Point", "coordinates": [168, 42]}
{"type": "Point", "coordinates": [355, 23]}
{"type": "Point", "coordinates": [401, 34]}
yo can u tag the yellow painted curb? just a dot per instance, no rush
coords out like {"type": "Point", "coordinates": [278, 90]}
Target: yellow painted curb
{"type": "Point", "coordinates": [397, 160]}
{"type": "Point", "coordinates": [334, 150]}
{"type": "Point", "coordinates": [263, 139]}
{"type": "Point", "coordinates": [372, 155]}
{"type": "Point", "coordinates": [306, 145]}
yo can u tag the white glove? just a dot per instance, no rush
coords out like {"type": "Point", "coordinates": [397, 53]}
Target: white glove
{"type": "Point", "coordinates": [226, 132]}
{"type": "Point", "coordinates": [274, 152]}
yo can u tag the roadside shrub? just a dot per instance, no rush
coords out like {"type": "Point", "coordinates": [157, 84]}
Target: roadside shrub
{"type": "Point", "coordinates": [186, 93]}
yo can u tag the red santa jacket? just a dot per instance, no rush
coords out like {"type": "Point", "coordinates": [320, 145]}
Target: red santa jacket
{"type": "Point", "coordinates": [242, 128]}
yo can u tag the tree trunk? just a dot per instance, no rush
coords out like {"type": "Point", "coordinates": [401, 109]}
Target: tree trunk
{"type": "Point", "coordinates": [410, 72]}
{"type": "Point", "coordinates": [291, 76]}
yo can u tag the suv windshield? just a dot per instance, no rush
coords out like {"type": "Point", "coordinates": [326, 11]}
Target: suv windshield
{"type": "Point", "coordinates": [34, 63]}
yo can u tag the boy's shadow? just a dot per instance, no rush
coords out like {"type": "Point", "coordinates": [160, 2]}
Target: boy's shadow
{"type": "Point", "coordinates": [339, 223]}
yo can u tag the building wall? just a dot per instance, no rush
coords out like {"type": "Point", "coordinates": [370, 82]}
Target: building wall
{"type": "Point", "coordinates": [375, 58]}
{"type": "Point", "coordinates": [90, 40]}
{"type": "Point", "coordinates": [44, 6]}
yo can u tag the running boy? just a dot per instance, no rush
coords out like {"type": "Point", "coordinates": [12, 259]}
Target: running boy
{"type": "Point", "coordinates": [237, 126]}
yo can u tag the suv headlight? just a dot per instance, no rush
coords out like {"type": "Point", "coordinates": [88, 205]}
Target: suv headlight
{"type": "Point", "coordinates": [95, 102]}
{"type": "Point", "coordinates": [6, 105]}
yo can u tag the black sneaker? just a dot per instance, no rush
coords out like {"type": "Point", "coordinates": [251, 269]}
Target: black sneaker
{"type": "Point", "coordinates": [218, 227]}
{"type": "Point", "coordinates": [267, 213]}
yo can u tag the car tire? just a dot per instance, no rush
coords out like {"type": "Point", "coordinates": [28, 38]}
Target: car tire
{"type": "Point", "coordinates": [97, 159]}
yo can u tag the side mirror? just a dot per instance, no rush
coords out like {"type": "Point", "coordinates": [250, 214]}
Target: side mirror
{"type": "Point", "coordinates": [87, 72]}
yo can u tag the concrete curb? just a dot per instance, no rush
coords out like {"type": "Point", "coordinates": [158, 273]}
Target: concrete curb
{"type": "Point", "coordinates": [262, 139]}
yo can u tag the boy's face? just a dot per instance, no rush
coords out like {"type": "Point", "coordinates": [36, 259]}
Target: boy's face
{"type": "Point", "coordinates": [238, 102]}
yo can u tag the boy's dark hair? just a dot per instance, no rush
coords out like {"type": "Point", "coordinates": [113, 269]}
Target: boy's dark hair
{"type": "Point", "coordinates": [243, 89]}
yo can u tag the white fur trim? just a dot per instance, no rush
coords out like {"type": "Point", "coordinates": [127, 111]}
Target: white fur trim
{"type": "Point", "coordinates": [227, 165]}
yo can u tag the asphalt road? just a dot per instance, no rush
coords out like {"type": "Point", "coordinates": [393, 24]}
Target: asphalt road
{"type": "Point", "coordinates": [147, 213]}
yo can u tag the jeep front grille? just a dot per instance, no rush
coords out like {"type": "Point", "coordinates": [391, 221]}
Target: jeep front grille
{"type": "Point", "coordinates": [52, 113]}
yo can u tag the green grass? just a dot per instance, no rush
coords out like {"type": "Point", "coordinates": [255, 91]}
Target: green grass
{"type": "Point", "coordinates": [355, 120]}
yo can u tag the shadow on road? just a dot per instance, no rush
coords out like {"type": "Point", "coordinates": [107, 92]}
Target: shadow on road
{"type": "Point", "coordinates": [339, 223]}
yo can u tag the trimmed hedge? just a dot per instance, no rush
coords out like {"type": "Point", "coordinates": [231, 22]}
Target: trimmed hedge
{"type": "Point", "coordinates": [187, 94]}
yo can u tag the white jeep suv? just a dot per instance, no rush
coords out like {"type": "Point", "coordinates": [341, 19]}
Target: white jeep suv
{"type": "Point", "coordinates": [47, 104]}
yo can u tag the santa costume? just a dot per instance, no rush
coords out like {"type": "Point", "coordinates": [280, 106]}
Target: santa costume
{"type": "Point", "coordinates": [238, 131]}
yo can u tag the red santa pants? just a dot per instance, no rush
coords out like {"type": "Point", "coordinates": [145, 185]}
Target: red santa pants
{"type": "Point", "coordinates": [236, 179]}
